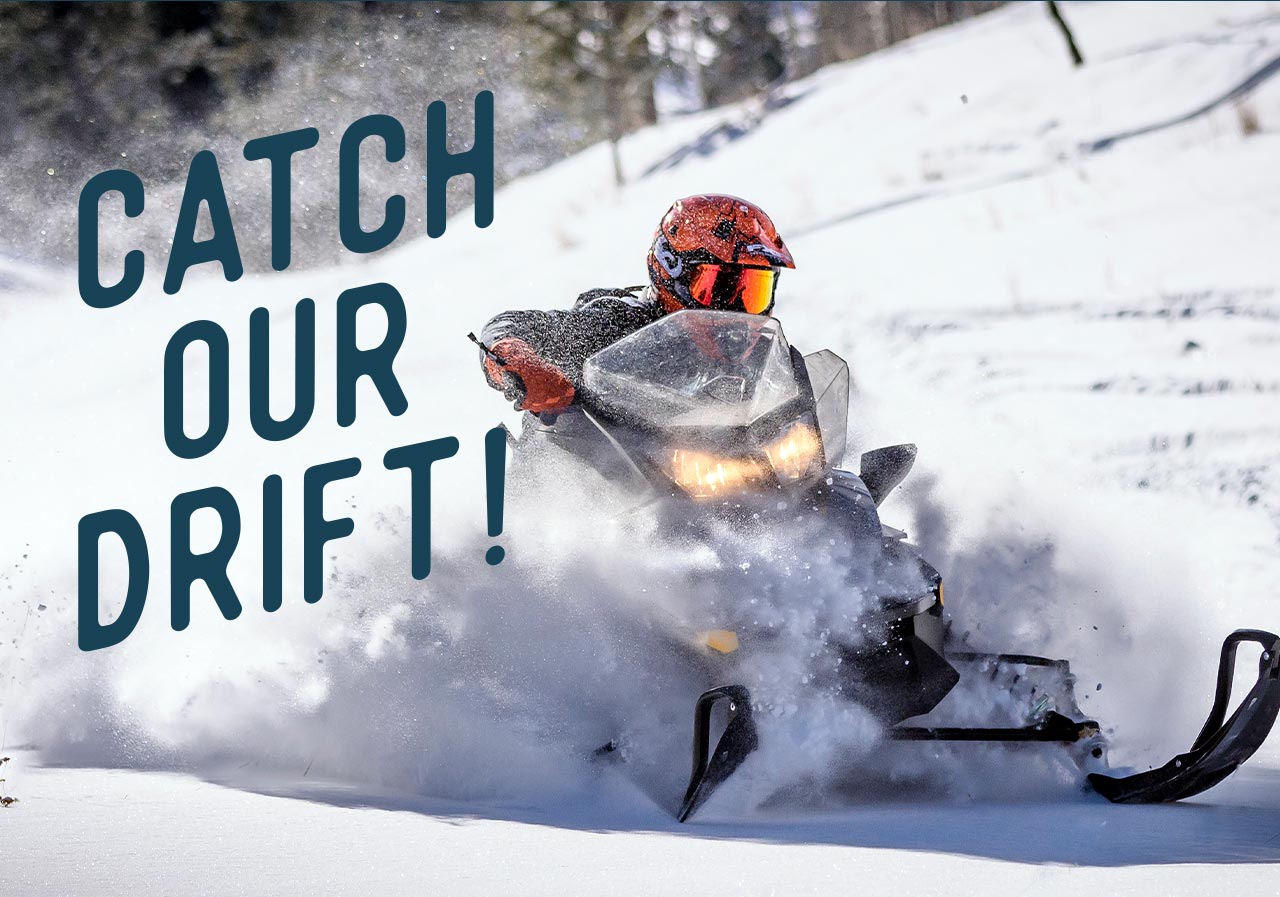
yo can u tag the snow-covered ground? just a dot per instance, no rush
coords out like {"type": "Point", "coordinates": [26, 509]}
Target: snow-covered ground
{"type": "Point", "coordinates": [1083, 341]}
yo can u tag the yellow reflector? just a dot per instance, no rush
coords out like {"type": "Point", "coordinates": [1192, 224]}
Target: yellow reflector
{"type": "Point", "coordinates": [940, 601]}
{"type": "Point", "coordinates": [721, 641]}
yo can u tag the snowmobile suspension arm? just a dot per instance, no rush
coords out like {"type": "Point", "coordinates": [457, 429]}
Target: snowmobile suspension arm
{"type": "Point", "coordinates": [1030, 660]}
{"type": "Point", "coordinates": [1054, 728]}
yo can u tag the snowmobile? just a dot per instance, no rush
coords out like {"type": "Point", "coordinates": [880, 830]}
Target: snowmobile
{"type": "Point", "coordinates": [714, 413]}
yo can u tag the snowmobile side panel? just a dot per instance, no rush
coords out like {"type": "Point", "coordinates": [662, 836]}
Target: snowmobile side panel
{"type": "Point", "coordinates": [739, 740]}
{"type": "Point", "coordinates": [905, 678]}
{"type": "Point", "coordinates": [1220, 747]}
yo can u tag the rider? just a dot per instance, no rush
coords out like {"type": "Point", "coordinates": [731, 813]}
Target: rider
{"type": "Point", "coordinates": [709, 251]}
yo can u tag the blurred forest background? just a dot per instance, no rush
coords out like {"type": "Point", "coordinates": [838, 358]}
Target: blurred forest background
{"type": "Point", "coordinates": [90, 86]}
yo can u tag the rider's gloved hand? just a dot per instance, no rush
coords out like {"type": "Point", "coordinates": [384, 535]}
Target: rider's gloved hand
{"type": "Point", "coordinates": [528, 380]}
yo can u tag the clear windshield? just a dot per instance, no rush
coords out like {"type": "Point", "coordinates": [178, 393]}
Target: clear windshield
{"type": "Point", "coordinates": [829, 377]}
{"type": "Point", "coordinates": [696, 368]}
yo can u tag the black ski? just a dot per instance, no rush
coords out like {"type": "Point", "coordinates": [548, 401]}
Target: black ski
{"type": "Point", "coordinates": [739, 740]}
{"type": "Point", "coordinates": [1220, 747]}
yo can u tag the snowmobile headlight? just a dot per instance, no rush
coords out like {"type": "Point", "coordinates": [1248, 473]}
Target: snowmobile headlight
{"type": "Point", "coordinates": [797, 455]}
{"type": "Point", "coordinates": [707, 476]}
{"type": "Point", "coordinates": [794, 457]}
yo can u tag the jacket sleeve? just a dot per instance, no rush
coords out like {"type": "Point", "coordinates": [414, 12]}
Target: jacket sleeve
{"type": "Point", "coordinates": [568, 338]}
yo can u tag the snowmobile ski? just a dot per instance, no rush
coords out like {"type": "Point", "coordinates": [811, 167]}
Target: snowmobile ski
{"type": "Point", "coordinates": [1220, 747]}
{"type": "Point", "coordinates": [739, 740]}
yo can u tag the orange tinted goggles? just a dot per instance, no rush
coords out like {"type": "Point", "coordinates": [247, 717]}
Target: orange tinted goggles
{"type": "Point", "coordinates": [733, 287]}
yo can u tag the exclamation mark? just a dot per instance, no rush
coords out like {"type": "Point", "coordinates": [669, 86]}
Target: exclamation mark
{"type": "Point", "coordinates": [495, 452]}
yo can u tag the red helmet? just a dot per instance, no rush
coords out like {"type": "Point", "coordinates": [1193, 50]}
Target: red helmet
{"type": "Point", "coordinates": [716, 251]}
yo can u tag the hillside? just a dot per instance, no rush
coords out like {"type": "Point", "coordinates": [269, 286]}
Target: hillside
{"type": "Point", "coordinates": [1061, 284]}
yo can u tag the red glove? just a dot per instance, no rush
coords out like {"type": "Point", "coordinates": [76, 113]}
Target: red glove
{"type": "Point", "coordinates": [533, 383]}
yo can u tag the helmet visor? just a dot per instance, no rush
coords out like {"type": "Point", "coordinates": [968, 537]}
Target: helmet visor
{"type": "Point", "coordinates": [734, 287]}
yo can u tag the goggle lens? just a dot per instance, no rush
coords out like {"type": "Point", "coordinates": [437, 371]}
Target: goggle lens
{"type": "Point", "coordinates": [734, 288]}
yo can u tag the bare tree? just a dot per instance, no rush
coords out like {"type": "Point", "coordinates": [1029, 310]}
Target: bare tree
{"type": "Point", "coordinates": [849, 30]}
{"type": "Point", "coordinates": [1056, 14]}
{"type": "Point", "coordinates": [603, 50]}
